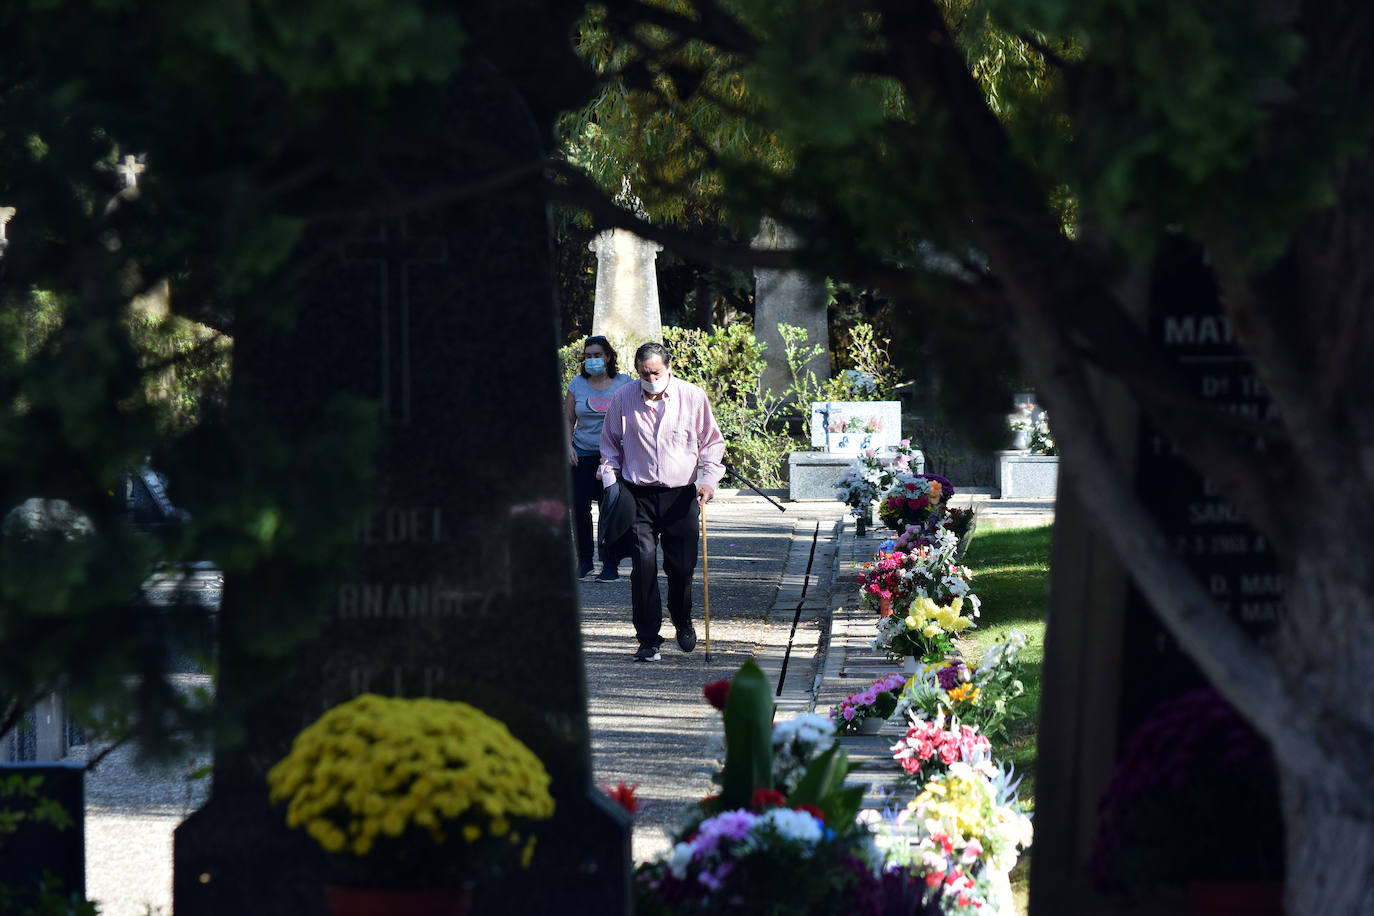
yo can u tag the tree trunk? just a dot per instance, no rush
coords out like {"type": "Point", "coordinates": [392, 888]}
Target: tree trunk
{"type": "Point", "coordinates": [1329, 844]}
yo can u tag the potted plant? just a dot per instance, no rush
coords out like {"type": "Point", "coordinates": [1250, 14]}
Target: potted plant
{"type": "Point", "coordinates": [415, 800]}
{"type": "Point", "coordinates": [1193, 760]}
{"type": "Point", "coordinates": [865, 712]}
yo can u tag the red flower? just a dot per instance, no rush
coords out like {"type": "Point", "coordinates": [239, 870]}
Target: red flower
{"type": "Point", "coordinates": [716, 692]}
{"type": "Point", "coordinates": [766, 798]}
{"type": "Point", "coordinates": [813, 811]}
{"type": "Point", "coordinates": [623, 795]}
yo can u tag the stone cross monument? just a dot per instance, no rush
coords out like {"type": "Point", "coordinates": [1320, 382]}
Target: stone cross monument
{"type": "Point", "coordinates": [787, 297]}
{"type": "Point", "coordinates": [626, 309]}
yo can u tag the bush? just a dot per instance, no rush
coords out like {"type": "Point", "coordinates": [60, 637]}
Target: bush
{"type": "Point", "coordinates": [728, 363]}
{"type": "Point", "coordinates": [871, 376]}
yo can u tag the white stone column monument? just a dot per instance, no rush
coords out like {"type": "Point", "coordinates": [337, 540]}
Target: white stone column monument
{"type": "Point", "coordinates": [627, 311]}
{"type": "Point", "coordinates": [6, 214]}
{"type": "Point", "coordinates": [787, 297]}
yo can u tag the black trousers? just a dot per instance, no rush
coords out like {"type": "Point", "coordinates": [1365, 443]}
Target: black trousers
{"type": "Point", "coordinates": [667, 516]}
{"type": "Point", "coordinates": [586, 488]}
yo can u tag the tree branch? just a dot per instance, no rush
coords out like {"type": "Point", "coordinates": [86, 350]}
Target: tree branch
{"type": "Point", "coordinates": [715, 26]}
{"type": "Point", "coordinates": [1013, 229]}
{"type": "Point", "coordinates": [1045, 51]}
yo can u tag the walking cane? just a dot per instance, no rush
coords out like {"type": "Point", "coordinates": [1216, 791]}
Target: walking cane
{"type": "Point", "coordinates": [706, 583]}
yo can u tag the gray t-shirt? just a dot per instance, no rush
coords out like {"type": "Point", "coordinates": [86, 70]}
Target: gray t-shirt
{"type": "Point", "coordinates": [591, 405]}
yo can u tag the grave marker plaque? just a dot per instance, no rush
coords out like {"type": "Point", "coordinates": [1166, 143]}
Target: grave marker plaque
{"type": "Point", "coordinates": [853, 427]}
{"type": "Point", "coordinates": [1108, 660]}
{"type": "Point", "coordinates": [462, 585]}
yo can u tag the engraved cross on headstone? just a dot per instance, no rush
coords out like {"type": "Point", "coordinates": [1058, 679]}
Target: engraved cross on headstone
{"type": "Point", "coordinates": [395, 251]}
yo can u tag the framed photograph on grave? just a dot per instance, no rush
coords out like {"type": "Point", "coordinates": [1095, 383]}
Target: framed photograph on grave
{"type": "Point", "coordinates": [850, 427]}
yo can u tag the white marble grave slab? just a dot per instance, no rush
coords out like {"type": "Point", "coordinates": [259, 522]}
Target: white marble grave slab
{"type": "Point", "coordinates": [849, 427]}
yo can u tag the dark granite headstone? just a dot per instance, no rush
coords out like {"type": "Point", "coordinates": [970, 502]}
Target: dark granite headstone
{"type": "Point", "coordinates": [39, 846]}
{"type": "Point", "coordinates": [1108, 660]}
{"type": "Point", "coordinates": [462, 586]}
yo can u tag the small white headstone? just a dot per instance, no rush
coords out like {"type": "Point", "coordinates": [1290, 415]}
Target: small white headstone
{"type": "Point", "coordinates": [850, 427]}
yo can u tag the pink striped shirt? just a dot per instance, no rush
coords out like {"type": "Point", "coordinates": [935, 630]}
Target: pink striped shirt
{"type": "Point", "coordinates": [669, 445]}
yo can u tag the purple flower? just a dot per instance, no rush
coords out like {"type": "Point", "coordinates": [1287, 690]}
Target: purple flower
{"type": "Point", "coordinates": [731, 825]}
{"type": "Point", "coordinates": [952, 675]}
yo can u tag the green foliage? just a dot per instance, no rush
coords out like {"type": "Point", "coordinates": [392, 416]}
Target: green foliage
{"type": "Point", "coordinates": [748, 737]}
{"type": "Point", "coordinates": [570, 363]}
{"type": "Point", "coordinates": [823, 785]}
{"type": "Point", "coordinates": [728, 363]}
{"type": "Point", "coordinates": [46, 899]}
{"type": "Point", "coordinates": [27, 792]}
{"type": "Point", "coordinates": [196, 360]}
{"type": "Point", "coordinates": [872, 377]}
{"type": "Point", "coordinates": [666, 112]}
{"type": "Point", "coordinates": [22, 800]}
{"type": "Point", "coordinates": [253, 121]}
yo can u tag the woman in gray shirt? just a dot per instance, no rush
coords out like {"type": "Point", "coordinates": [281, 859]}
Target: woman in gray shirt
{"type": "Point", "coordinates": [589, 394]}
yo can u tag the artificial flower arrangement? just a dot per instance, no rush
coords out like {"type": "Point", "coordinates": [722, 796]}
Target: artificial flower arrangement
{"type": "Point", "coordinates": [796, 846]}
{"type": "Point", "coordinates": [970, 813]}
{"type": "Point", "coordinates": [931, 746]}
{"type": "Point", "coordinates": [914, 500]}
{"type": "Point", "coordinates": [962, 886]}
{"type": "Point", "coordinates": [413, 792]}
{"type": "Point", "coordinates": [910, 568]}
{"type": "Point", "coordinates": [982, 697]}
{"type": "Point", "coordinates": [1039, 437]}
{"type": "Point", "coordinates": [927, 630]}
{"type": "Point", "coordinates": [964, 826]}
{"type": "Point", "coordinates": [870, 475]}
{"type": "Point", "coordinates": [1193, 760]}
{"type": "Point", "coordinates": [965, 820]}
{"type": "Point", "coordinates": [876, 701]}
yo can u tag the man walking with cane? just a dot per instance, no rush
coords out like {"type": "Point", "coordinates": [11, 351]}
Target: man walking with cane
{"type": "Point", "coordinates": [661, 443]}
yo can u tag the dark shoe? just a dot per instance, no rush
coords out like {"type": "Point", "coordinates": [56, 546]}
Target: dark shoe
{"type": "Point", "coordinates": [608, 574]}
{"type": "Point", "coordinates": [648, 653]}
{"type": "Point", "coordinates": [686, 638]}
{"type": "Point", "coordinates": [584, 567]}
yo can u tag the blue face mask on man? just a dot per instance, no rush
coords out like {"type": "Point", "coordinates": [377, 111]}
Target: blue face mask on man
{"type": "Point", "coordinates": [594, 366]}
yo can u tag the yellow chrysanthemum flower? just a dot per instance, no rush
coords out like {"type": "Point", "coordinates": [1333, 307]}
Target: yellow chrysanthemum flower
{"type": "Point", "coordinates": [378, 766]}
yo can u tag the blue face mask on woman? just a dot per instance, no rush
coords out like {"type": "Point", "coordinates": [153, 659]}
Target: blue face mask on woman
{"type": "Point", "coordinates": [594, 366]}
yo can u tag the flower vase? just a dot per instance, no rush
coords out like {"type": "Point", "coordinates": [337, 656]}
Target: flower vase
{"type": "Point", "coordinates": [871, 725]}
{"type": "Point", "coordinates": [884, 606]}
{"type": "Point", "coordinates": [356, 901]}
{"type": "Point", "coordinates": [910, 665]}
{"type": "Point", "coordinates": [860, 526]}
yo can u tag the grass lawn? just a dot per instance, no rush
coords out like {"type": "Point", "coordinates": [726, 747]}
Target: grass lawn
{"type": "Point", "coordinates": [1011, 575]}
